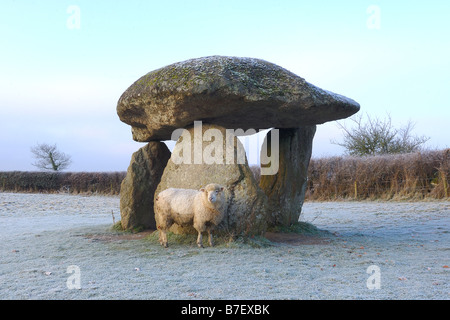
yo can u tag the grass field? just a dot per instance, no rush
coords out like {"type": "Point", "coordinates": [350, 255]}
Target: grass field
{"type": "Point", "coordinates": [45, 237]}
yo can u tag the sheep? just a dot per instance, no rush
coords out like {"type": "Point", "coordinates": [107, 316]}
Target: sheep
{"type": "Point", "coordinates": [204, 209]}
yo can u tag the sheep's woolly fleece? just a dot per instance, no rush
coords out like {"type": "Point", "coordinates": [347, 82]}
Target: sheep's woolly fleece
{"type": "Point", "coordinates": [204, 209]}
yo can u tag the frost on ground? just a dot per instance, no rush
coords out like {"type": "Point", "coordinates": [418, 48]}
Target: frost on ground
{"type": "Point", "coordinates": [51, 243]}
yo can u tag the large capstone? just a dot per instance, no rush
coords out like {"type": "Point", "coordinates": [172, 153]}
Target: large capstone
{"type": "Point", "coordinates": [228, 91]}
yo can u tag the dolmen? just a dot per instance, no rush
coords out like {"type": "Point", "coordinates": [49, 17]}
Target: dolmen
{"type": "Point", "coordinates": [204, 104]}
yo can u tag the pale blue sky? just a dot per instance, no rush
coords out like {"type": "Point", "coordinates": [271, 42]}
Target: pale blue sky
{"type": "Point", "coordinates": [61, 85]}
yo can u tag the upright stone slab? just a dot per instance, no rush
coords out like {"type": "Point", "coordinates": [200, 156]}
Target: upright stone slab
{"type": "Point", "coordinates": [138, 187]}
{"type": "Point", "coordinates": [286, 189]}
{"type": "Point", "coordinates": [198, 163]}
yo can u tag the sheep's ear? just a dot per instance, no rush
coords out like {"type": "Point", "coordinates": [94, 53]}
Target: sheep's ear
{"type": "Point", "coordinates": [202, 189]}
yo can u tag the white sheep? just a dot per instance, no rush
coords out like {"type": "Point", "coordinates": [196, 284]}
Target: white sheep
{"type": "Point", "coordinates": [204, 209]}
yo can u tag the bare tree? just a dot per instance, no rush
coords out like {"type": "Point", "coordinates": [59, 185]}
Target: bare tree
{"type": "Point", "coordinates": [379, 137]}
{"type": "Point", "coordinates": [48, 157]}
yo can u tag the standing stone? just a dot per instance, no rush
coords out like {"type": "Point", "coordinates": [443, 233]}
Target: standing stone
{"type": "Point", "coordinates": [286, 189]}
{"type": "Point", "coordinates": [138, 188]}
{"type": "Point", "coordinates": [247, 203]}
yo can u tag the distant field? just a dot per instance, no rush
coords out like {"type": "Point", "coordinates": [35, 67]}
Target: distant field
{"type": "Point", "coordinates": [413, 176]}
{"type": "Point", "coordinates": [105, 183]}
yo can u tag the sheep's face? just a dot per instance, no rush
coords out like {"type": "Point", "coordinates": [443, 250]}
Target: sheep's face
{"type": "Point", "coordinates": [213, 192]}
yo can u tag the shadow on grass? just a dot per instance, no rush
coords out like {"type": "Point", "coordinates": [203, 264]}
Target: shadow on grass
{"type": "Point", "coordinates": [301, 233]}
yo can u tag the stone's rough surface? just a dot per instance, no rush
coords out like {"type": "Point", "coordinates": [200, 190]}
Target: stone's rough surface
{"type": "Point", "coordinates": [228, 91]}
{"type": "Point", "coordinates": [247, 203]}
{"type": "Point", "coordinates": [232, 93]}
{"type": "Point", "coordinates": [138, 187]}
{"type": "Point", "coordinates": [286, 189]}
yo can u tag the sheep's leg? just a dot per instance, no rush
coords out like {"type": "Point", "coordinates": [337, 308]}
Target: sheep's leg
{"type": "Point", "coordinates": [200, 240]}
{"type": "Point", "coordinates": [163, 224]}
{"type": "Point", "coordinates": [210, 238]}
{"type": "Point", "coordinates": [200, 227]}
{"type": "Point", "coordinates": [160, 237]}
{"type": "Point", "coordinates": [163, 238]}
